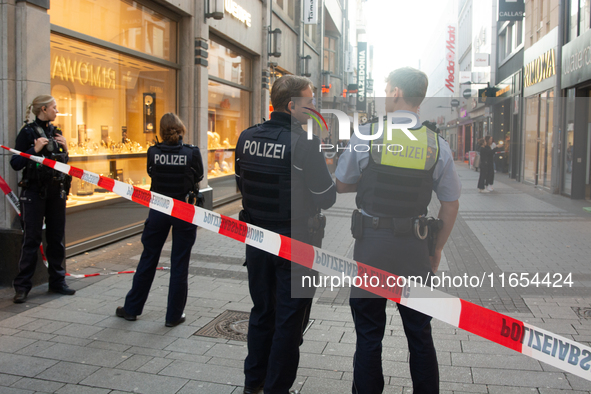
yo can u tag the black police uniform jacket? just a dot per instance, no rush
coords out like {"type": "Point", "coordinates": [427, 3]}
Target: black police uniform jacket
{"type": "Point", "coordinates": [175, 169]}
{"type": "Point", "coordinates": [282, 175]}
{"type": "Point", "coordinates": [25, 142]}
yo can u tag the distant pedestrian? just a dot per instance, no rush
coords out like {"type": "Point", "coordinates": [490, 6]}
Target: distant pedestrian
{"type": "Point", "coordinates": [487, 172]}
{"type": "Point", "coordinates": [176, 169]}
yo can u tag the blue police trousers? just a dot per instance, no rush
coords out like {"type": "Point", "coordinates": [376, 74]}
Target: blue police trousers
{"type": "Point", "coordinates": [154, 236]}
{"type": "Point", "coordinates": [277, 321]}
{"type": "Point", "coordinates": [35, 208]}
{"type": "Point", "coordinates": [402, 256]}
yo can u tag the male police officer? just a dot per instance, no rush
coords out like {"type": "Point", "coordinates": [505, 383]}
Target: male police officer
{"type": "Point", "coordinates": [284, 183]}
{"type": "Point", "coordinates": [394, 181]}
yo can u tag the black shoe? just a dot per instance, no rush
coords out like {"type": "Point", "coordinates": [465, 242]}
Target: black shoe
{"type": "Point", "coordinates": [65, 290]}
{"type": "Point", "coordinates": [175, 323]}
{"type": "Point", "coordinates": [20, 297]}
{"type": "Point", "coordinates": [120, 312]}
{"type": "Point", "coordinates": [251, 390]}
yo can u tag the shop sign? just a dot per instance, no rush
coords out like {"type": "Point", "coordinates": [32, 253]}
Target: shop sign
{"type": "Point", "coordinates": [465, 76]}
{"type": "Point", "coordinates": [237, 12]}
{"type": "Point", "coordinates": [541, 68]}
{"type": "Point", "coordinates": [310, 12]}
{"type": "Point", "coordinates": [539, 71]}
{"type": "Point", "coordinates": [576, 60]}
{"type": "Point", "coordinates": [511, 10]}
{"type": "Point", "coordinates": [450, 46]}
{"type": "Point", "coordinates": [502, 91]}
{"type": "Point", "coordinates": [482, 60]}
{"type": "Point", "coordinates": [361, 66]}
{"type": "Point", "coordinates": [83, 72]}
{"type": "Point", "coordinates": [484, 94]}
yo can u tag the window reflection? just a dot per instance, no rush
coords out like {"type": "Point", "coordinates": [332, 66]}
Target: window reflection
{"type": "Point", "coordinates": [122, 22]}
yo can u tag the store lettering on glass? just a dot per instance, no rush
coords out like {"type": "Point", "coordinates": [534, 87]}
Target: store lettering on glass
{"type": "Point", "coordinates": [83, 73]}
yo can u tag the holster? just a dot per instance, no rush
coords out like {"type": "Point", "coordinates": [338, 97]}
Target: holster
{"type": "Point", "coordinates": [66, 184]}
{"type": "Point", "coordinates": [316, 225]}
{"type": "Point", "coordinates": [435, 225]}
{"type": "Point", "coordinates": [357, 224]}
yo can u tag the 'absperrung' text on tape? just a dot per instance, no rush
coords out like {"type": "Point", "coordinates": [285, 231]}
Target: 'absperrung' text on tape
{"type": "Point", "coordinates": [542, 345]}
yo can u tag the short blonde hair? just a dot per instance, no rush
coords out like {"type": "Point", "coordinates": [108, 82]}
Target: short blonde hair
{"type": "Point", "coordinates": [38, 103]}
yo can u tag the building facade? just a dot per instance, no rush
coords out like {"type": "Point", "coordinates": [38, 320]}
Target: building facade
{"type": "Point", "coordinates": [116, 66]}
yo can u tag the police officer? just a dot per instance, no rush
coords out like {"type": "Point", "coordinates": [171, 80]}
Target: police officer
{"type": "Point", "coordinates": [284, 183]}
{"type": "Point", "coordinates": [43, 197]}
{"type": "Point", "coordinates": [175, 169]}
{"type": "Point", "coordinates": [394, 180]}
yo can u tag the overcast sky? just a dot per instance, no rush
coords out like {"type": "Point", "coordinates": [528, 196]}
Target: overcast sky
{"type": "Point", "coordinates": [401, 31]}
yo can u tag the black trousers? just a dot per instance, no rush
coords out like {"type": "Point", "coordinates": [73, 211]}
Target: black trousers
{"type": "Point", "coordinates": [487, 175]}
{"type": "Point", "coordinates": [403, 256]}
{"type": "Point", "coordinates": [153, 238]}
{"type": "Point", "coordinates": [34, 208]}
{"type": "Point", "coordinates": [277, 320]}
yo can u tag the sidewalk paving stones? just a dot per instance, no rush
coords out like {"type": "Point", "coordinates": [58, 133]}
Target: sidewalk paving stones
{"type": "Point", "coordinates": [76, 345]}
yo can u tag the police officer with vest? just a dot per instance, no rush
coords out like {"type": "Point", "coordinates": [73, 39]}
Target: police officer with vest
{"type": "Point", "coordinates": [176, 170]}
{"type": "Point", "coordinates": [43, 197]}
{"type": "Point", "coordinates": [284, 182]}
{"type": "Point", "coordinates": [394, 180]}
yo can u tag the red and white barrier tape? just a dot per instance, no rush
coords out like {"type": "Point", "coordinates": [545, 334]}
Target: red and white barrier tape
{"type": "Point", "coordinates": [10, 196]}
{"type": "Point", "coordinates": [14, 201]}
{"type": "Point", "coordinates": [108, 273]}
{"type": "Point", "coordinates": [542, 345]}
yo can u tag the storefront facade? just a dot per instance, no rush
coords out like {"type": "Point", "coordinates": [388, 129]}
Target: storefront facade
{"type": "Point", "coordinates": [116, 66]}
{"type": "Point", "coordinates": [576, 154]}
{"type": "Point", "coordinates": [539, 80]}
{"type": "Point", "coordinates": [507, 124]}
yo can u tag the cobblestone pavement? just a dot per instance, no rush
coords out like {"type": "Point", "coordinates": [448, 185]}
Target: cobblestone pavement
{"type": "Point", "coordinates": [57, 344]}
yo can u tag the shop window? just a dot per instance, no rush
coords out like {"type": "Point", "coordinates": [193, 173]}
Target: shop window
{"type": "Point", "coordinates": [109, 106]}
{"type": "Point", "coordinates": [330, 56]}
{"type": "Point", "coordinates": [286, 7]}
{"type": "Point", "coordinates": [510, 39]}
{"type": "Point", "coordinates": [311, 32]}
{"type": "Point", "coordinates": [573, 22]}
{"type": "Point", "coordinates": [567, 175]}
{"type": "Point", "coordinates": [579, 18]}
{"type": "Point", "coordinates": [229, 109]}
{"type": "Point", "coordinates": [122, 22]}
{"type": "Point", "coordinates": [229, 65]}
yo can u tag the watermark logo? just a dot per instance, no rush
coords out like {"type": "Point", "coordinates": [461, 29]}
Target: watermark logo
{"type": "Point", "coordinates": [399, 120]}
{"type": "Point", "coordinates": [316, 116]}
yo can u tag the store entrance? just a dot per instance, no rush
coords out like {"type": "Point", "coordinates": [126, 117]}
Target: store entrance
{"type": "Point", "coordinates": [588, 150]}
{"type": "Point", "coordinates": [467, 138]}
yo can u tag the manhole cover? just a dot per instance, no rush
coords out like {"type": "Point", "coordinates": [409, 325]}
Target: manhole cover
{"type": "Point", "coordinates": [231, 325]}
{"type": "Point", "coordinates": [583, 312]}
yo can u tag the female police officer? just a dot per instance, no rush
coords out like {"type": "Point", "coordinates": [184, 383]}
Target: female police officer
{"type": "Point", "coordinates": [43, 196]}
{"type": "Point", "coordinates": [175, 169]}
